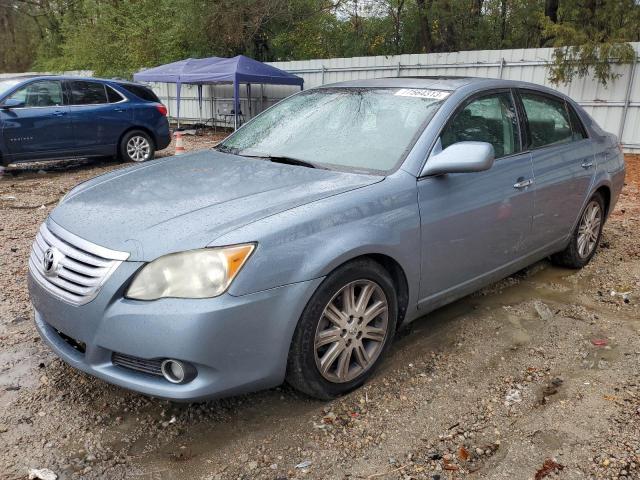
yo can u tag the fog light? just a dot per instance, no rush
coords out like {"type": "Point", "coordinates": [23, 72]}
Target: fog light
{"type": "Point", "coordinates": [175, 371]}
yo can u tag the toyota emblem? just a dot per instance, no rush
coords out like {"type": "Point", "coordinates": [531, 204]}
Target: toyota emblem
{"type": "Point", "coordinates": [50, 261]}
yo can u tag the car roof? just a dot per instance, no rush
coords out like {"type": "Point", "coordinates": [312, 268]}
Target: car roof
{"type": "Point", "coordinates": [436, 83]}
{"type": "Point", "coordinates": [450, 83]}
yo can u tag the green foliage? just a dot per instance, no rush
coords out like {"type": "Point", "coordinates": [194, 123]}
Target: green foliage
{"type": "Point", "coordinates": [118, 37]}
{"type": "Point", "coordinates": [18, 40]}
{"type": "Point", "coordinates": [591, 36]}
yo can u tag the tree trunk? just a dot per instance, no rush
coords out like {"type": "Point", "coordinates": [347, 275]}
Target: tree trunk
{"type": "Point", "coordinates": [503, 22]}
{"type": "Point", "coordinates": [425, 25]}
{"type": "Point", "coordinates": [551, 10]}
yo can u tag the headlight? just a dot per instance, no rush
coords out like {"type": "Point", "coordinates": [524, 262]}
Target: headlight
{"type": "Point", "coordinates": [201, 273]}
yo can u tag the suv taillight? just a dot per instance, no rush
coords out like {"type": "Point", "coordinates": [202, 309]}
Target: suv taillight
{"type": "Point", "coordinates": [162, 109]}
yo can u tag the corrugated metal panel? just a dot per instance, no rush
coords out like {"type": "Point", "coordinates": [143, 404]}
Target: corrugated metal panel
{"type": "Point", "coordinates": [605, 103]}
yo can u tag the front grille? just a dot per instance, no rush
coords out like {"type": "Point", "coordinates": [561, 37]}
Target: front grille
{"type": "Point", "coordinates": [151, 367]}
{"type": "Point", "coordinates": [78, 267]}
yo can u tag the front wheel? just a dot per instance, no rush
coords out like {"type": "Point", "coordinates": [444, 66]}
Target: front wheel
{"type": "Point", "coordinates": [586, 236]}
{"type": "Point", "coordinates": [344, 331]}
{"type": "Point", "coordinates": [136, 146]}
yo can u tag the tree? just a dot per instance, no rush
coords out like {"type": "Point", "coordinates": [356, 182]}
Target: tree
{"type": "Point", "coordinates": [590, 36]}
{"type": "Point", "coordinates": [118, 37]}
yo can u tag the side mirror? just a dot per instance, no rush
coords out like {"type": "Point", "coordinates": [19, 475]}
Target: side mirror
{"type": "Point", "coordinates": [12, 103]}
{"type": "Point", "coordinates": [461, 157]}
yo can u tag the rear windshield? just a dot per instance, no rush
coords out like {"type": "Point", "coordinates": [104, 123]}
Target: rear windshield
{"type": "Point", "coordinates": [141, 92]}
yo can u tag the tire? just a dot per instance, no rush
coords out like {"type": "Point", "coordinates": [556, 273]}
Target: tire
{"type": "Point", "coordinates": [579, 252]}
{"type": "Point", "coordinates": [357, 345]}
{"type": "Point", "coordinates": [136, 146]}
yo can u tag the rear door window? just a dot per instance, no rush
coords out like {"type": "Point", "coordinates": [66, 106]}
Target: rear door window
{"type": "Point", "coordinates": [141, 92]}
{"type": "Point", "coordinates": [87, 93]}
{"type": "Point", "coordinates": [491, 118]}
{"type": "Point", "coordinates": [44, 93]}
{"type": "Point", "coordinates": [548, 120]}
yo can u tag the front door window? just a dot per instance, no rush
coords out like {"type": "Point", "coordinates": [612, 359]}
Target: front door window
{"type": "Point", "coordinates": [490, 119]}
{"type": "Point", "coordinates": [45, 93]}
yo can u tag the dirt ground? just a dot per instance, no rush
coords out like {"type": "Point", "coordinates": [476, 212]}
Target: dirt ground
{"type": "Point", "coordinates": [536, 375]}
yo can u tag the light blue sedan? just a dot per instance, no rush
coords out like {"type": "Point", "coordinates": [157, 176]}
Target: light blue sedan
{"type": "Point", "coordinates": [297, 248]}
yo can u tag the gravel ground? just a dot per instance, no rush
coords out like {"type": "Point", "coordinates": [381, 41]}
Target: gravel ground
{"type": "Point", "coordinates": [535, 376]}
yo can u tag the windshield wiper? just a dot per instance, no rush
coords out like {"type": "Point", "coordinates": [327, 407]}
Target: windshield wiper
{"type": "Point", "coordinates": [286, 160]}
{"type": "Point", "coordinates": [225, 149]}
{"type": "Point", "coordinates": [292, 161]}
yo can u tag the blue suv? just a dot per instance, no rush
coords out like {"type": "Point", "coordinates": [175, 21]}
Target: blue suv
{"type": "Point", "coordinates": [53, 117]}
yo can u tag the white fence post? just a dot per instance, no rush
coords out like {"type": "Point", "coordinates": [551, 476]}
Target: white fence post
{"type": "Point", "coordinates": [627, 97]}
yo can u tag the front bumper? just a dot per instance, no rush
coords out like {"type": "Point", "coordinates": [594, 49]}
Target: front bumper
{"type": "Point", "coordinates": [237, 344]}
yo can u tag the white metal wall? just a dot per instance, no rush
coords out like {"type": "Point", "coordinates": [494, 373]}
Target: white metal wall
{"type": "Point", "coordinates": [615, 107]}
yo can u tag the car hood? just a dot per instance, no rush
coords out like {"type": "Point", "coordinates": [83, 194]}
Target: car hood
{"type": "Point", "coordinates": [182, 203]}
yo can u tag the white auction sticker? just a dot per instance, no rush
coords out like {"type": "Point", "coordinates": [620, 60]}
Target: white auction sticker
{"type": "Point", "coordinates": [423, 93]}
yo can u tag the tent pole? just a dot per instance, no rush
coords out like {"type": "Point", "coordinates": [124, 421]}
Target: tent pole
{"type": "Point", "coordinates": [200, 101]}
{"type": "Point", "coordinates": [262, 97]}
{"type": "Point", "coordinates": [178, 85]}
{"type": "Point", "coordinates": [168, 99]}
{"type": "Point", "coordinates": [236, 94]}
{"type": "Point", "coordinates": [249, 95]}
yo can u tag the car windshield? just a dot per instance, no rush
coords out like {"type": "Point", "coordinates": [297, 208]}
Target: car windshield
{"type": "Point", "coordinates": [5, 85]}
{"type": "Point", "coordinates": [354, 129]}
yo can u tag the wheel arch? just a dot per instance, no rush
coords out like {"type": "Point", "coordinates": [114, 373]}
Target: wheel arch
{"type": "Point", "coordinates": [395, 271]}
{"type": "Point", "coordinates": [142, 129]}
{"type": "Point", "coordinates": [605, 191]}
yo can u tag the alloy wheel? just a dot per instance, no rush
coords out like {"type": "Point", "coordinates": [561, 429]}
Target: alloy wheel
{"type": "Point", "coordinates": [138, 148]}
{"type": "Point", "coordinates": [589, 229]}
{"type": "Point", "coordinates": [352, 331]}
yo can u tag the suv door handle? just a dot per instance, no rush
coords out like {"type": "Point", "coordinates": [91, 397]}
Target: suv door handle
{"type": "Point", "coordinates": [523, 183]}
{"type": "Point", "coordinates": [59, 114]}
{"type": "Point", "coordinates": [587, 164]}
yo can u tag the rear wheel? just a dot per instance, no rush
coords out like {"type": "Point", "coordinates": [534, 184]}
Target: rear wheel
{"type": "Point", "coordinates": [344, 331]}
{"type": "Point", "coordinates": [136, 146]}
{"type": "Point", "coordinates": [586, 236]}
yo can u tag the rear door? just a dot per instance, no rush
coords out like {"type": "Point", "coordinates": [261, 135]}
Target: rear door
{"type": "Point", "coordinates": [563, 164]}
{"type": "Point", "coordinates": [474, 225]}
{"type": "Point", "coordinates": [41, 128]}
{"type": "Point", "coordinates": [100, 115]}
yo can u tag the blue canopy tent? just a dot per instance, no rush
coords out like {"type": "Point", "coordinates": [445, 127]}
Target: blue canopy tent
{"type": "Point", "coordinates": [216, 70]}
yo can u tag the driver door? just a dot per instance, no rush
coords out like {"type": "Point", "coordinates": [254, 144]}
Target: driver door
{"type": "Point", "coordinates": [475, 226]}
{"type": "Point", "coordinates": [40, 127]}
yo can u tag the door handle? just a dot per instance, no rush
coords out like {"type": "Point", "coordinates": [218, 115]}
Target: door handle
{"type": "Point", "coordinates": [587, 164]}
{"type": "Point", "coordinates": [59, 114]}
{"type": "Point", "coordinates": [523, 183]}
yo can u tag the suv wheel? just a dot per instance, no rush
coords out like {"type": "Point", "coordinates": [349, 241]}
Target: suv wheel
{"type": "Point", "coordinates": [137, 146]}
{"type": "Point", "coordinates": [344, 331]}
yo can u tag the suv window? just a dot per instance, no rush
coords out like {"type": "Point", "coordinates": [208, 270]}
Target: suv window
{"type": "Point", "coordinates": [87, 93]}
{"type": "Point", "coordinates": [548, 120]}
{"type": "Point", "coordinates": [113, 96]}
{"type": "Point", "coordinates": [577, 127]}
{"type": "Point", "coordinates": [491, 118]}
{"type": "Point", "coordinates": [44, 93]}
{"type": "Point", "coordinates": [142, 92]}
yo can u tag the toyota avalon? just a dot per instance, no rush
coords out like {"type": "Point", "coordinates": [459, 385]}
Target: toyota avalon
{"type": "Point", "coordinates": [296, 249]}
